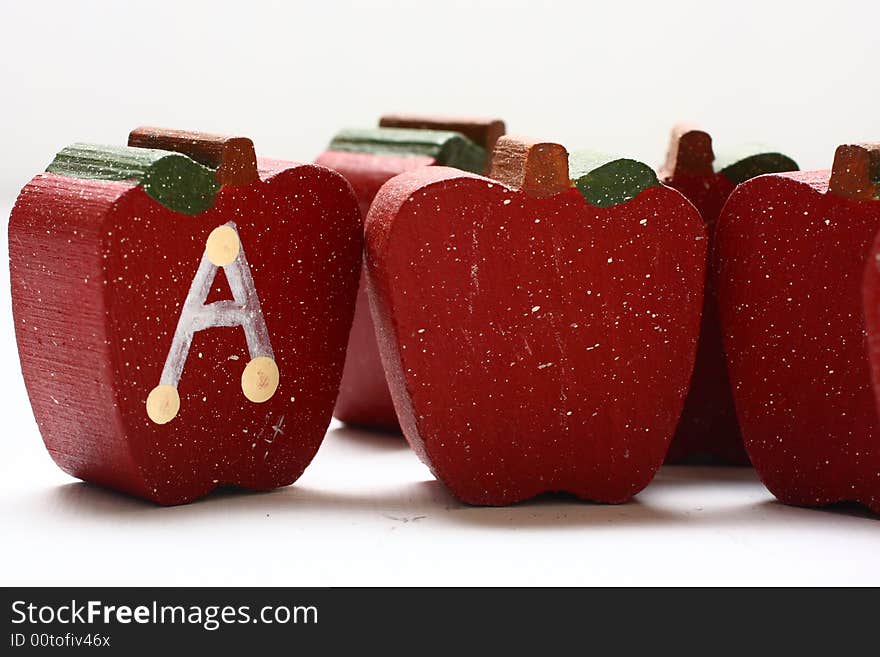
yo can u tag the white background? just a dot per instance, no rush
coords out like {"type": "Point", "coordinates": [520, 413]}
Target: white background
{"type": "Point", "coordinates": [613, 76]}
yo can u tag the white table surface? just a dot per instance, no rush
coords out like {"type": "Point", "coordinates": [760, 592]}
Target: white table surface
{"type": "Point", "coordinates": [367, 512]}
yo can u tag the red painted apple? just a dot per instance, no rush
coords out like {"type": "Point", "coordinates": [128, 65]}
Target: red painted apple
{"type": "Point", "coordinates": [708, 430]}
{"type": "Point", "coordinates": [792, 251]}
{"type": "Point", "coordinates": [538, 335]}
{"type": "Point", "coordinates": [368, 159]}
{"type": "Point", "coordinates": [182, 325]}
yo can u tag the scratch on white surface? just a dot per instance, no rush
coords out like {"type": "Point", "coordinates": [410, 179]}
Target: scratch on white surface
{"type": "Point", "coordinates": [404, 519]}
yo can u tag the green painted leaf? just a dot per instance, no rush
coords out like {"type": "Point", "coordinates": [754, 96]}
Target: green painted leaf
{"type": "Point", "coordinates": [174, 180]}
{"type": "Point", "coordinates": [605, 181]}
{"type": "Point", "coordinates": [744, 166]}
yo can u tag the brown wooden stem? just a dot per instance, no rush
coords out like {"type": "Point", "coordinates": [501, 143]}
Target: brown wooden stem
{"type": "Point", "coordinates": [537, 168]}
{"type": "Point", "coordinates": [482, 131]}
{"type": "Point", "coordinates": [690, 153]}
{"type": "Point", "coordinates": [233, 158]}
{"type": "Point", "coordinates": [856, 172]}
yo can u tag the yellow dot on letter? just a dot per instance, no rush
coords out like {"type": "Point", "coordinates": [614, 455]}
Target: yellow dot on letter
{"type": "Point", "coordinates": [259, 381]}
{"type": "Point", "coordinates": [222, 246]}
{"type": "Point", "coordinates": [163, 403]}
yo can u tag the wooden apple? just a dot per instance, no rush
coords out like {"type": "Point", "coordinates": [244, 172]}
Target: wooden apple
{"type": "Point", "coordinates": [708, 430]}
{"type": "Point", "coordinates": [182, 313]}
{"type": "Point", "coordinates": [368, 159]}
{"type": "Point", "coordinates": [538, 335]}
{"type": "Point", "coordinates": [792, 252]}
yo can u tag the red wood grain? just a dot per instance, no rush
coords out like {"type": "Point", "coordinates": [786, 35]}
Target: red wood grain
{"type": "Point", "coordinates": [534, 344]}
{"type": "Point", "coordinates": [99, 272]}
{"type": "Point", "coordinates": [792, 265]}
{"type": "Point", "coordinates": [708, 429]}
{"type": "Point", "coordinates": [364, 398]}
